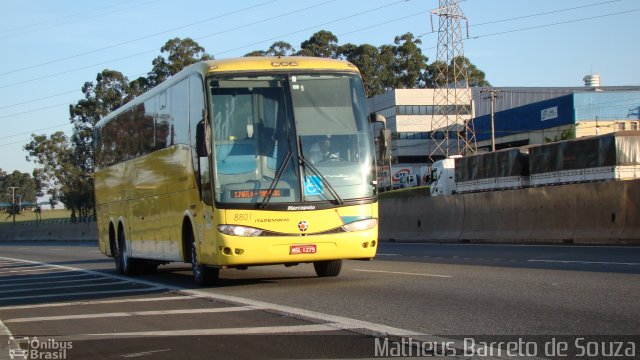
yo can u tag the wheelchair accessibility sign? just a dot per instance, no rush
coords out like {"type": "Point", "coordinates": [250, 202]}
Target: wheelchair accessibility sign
{"type": "Point", "coordinates": [313, 186]}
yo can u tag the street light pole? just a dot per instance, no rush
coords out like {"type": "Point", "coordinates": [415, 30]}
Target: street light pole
{"type": "Point", "coordinates": [13, 202]}
{"type": "Point", "coordinates": [493, 94]}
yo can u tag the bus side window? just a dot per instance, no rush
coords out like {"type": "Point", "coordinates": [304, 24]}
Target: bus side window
{"type": "Point", "coordinates": [163, 135]}
{"type": "Point", "coordinates": [205, 180]}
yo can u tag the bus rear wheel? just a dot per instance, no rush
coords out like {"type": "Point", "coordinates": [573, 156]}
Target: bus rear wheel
{"type": "Point", "coordinates": [124, 264]}
{"type": "Point", "coordinates": [328, 268]}
{"type": "Point", "coordinates": [202, 274]}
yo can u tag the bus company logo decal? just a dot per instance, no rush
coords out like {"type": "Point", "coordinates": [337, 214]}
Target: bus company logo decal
{"type": "Point", "coordinates": [303, 225]}
{"type": "Point", "coordinates": [300, 207]}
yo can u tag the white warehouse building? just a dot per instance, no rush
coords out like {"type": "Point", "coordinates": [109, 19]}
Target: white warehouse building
{"type": "Point", "coordinates": [409, 114]}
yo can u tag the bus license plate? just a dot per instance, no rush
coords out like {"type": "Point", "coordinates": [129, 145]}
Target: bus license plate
{"type": "Point", "coordinates": [302, 249]}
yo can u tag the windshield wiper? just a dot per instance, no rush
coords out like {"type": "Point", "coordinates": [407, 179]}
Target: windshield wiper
{"type": "Point", "coordinates": [287, 159]}
{"type": "Point", "coordinates": [324, 181]}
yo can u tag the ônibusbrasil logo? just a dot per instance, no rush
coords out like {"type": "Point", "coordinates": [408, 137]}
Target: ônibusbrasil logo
{"type": "Point", "coordinates": [34, 348]}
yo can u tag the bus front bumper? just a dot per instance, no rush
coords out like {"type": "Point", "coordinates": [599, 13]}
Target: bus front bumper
{"type": "Point", "coordinates": [235, 251]}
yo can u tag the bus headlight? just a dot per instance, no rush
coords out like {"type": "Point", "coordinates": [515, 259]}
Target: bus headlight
{"type": "Point", "coordinates": [360, 225]}
{"type": "Point", "coordinates": [237, 230]}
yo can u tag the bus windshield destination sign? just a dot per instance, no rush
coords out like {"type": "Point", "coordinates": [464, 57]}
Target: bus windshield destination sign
{"type": "Point", "coordinates": [261, 193]}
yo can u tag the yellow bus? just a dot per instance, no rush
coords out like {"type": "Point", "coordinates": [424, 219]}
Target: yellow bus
{"type": "Point", "coordinates": [237, 163]}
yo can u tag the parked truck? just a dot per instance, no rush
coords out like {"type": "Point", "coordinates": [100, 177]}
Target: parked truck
{"type": "Point", "coordinates": [498, 170]}
{"type": "Point", "coordinates": [614, 156]}
{"type": "Point", "coordinates": [443, 176]}
{"type": "Point", "coordinates": [402, 176]}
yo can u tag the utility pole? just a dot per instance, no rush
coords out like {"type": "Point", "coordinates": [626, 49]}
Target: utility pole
{"type": "Point", "coordinates": [492, 95]}
{"type": "Point", "coordinates": [13, 202]}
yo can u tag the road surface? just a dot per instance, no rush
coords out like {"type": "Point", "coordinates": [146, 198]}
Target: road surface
{"type": "Point", "coordinates": [66, 293]}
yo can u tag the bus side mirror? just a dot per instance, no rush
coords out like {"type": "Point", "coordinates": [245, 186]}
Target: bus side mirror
{"type": "Point", "coordinates": [201, 149]}
{"type": "Point", "coordinates": [374, 118]}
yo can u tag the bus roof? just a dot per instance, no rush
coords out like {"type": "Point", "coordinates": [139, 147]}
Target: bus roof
{"type": "Point", "coordinates": [243, 64]}
{"type": "Point", "coordinates": [278, 63]}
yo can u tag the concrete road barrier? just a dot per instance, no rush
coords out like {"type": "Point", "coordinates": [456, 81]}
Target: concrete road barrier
{"type": "Point", "coordinates": [599, 212]}
{"type": "Point", "coordinates": [632, 212]}
{"type": "Point", "coordinates": [85, 231]}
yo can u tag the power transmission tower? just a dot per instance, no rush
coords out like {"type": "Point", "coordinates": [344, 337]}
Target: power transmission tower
{"type": "Point", "coordinates": [451, 98]}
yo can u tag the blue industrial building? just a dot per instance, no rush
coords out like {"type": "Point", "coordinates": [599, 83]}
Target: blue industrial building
{"type": "Point", "coordinates": [525, 116]}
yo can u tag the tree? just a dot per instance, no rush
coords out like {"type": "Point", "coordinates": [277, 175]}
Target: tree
{"type": "Point", "coordinates": [321, 44]}
{"type": "Point", "coordinates": [256, 53]}
{"type": "Point", "coordinates": [66, 171]}
{"type": "Point", "coordinates": [476, 76]}
{"type": "Point", "coordinates": [409, 63]}
{"type": "Point", "coordinates": [278, 48]}
{"type": "Point", "coordinates": [367, 59]}
{"type": "Point", "coordinates": [25, 192]}
{"type": "Point", "coordinates": [390, 66]}
{"type": "Point", "coordinates": [176, 54]}
{"type": "Point", "coordinates": [281, 48]}
{"type": "Point", "coordinates": [67, 162]}
{"type": "Point", "coordinates": [139, 86]}
{"type": "Point", "coordinates": [387, 59]}
{"type": "Point", "coordinates": [53, 153]}
{"type": "Point", "coordinates": [61, 173]}
{"type": "Point", "coordinates": [566, 134]}
{"type": "Point", "coordinates": [38, 179]}
{"type": "Point", "coordinates": [401, 65]}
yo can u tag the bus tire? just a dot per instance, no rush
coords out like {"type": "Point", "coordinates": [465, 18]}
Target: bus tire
{"type": "Point", "coordinates": [202, 274]}
{"type": "Point", "coordinates": [328, 268]}
{"type": "Point", "coordinates": [124, 264]}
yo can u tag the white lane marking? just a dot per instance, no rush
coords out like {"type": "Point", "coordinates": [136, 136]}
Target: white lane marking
{"type": "Point", "coordinates": [308, 315]}
{"type": "Point", "coordinates": [403, 273]}
{"type": "Point", "coordinates": [378, 254]}
{"type": "Point", "coordinates": [585, 262]}
{"type": "Point", "coordinates": [134, 313]}
{"type": "Point", "coordinates": [260, 330]}
{"type": "Point", "coordinates": [7, 263]}
{"type": "Point", "coordinates": [14, 271]}
{"type": "Point", "coordinates": [67, 287]}
{"type": "Point", "coordinates": [143, 353]}
{"type": "Point", "coordinates": [21, 266]}
{"type": "Point", "coordinates": [53, 282]}
{"type": "Point", "coordinates": [3, 281]}
{"type": "Point", "coordinates": [95, 302]}
{"type": "Point", "coordinates": [516, 245]}
{"type": "Point", "coordinates": [12, 344]}
{"type": "Point", "coordinates": [82, 293]}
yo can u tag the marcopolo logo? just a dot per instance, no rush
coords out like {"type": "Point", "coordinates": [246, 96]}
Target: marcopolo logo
{"type": "Point", "coordinates": [303, 225]}
{"type": "Point", "coordinates": [34, 348]}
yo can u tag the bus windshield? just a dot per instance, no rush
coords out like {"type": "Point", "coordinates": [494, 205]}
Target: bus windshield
{"type": "Point", "coordinates": [290, 139]}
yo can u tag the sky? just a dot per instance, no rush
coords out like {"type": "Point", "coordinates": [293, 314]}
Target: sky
{"type": "Point", "coordinates": [51, 48]}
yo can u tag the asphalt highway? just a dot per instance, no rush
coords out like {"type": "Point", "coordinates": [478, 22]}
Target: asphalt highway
{"type": "Point", "coordinates": [70, 293]}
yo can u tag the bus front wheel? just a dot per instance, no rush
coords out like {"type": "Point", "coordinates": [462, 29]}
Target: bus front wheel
{"type": "Point", "coordinates": [328, 268]}
{"type": "Point", "coordinates": [202, 274]}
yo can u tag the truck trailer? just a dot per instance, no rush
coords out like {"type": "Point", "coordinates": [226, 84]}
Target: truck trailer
{"type": "Point", "coordinates": [613, 156]}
